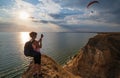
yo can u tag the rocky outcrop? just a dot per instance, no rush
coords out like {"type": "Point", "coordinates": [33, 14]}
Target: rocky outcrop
{"type": "Point", "coordinates": [100, 58]}
{"type": "Point", "coordinates": [49, 69]}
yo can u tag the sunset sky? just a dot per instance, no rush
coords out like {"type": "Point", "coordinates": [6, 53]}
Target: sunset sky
{"type": "Point", "coordinates": [59, 16]}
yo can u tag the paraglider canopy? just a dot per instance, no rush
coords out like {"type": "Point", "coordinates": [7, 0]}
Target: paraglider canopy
{"type": "Point", "coordinates": [92, 2]}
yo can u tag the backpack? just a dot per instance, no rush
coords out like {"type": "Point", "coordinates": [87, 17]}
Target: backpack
{"type": "Point", "coordinates": [28, 48]}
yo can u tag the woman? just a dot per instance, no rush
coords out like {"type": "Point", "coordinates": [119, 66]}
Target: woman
{"type": "Point", "coordinates": [34, 50]}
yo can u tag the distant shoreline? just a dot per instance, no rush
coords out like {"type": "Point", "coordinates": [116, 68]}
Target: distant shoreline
{"type": "Point", "coordinates": [92, 32]}
{"type": "Point", "coordinates": [108, 32]}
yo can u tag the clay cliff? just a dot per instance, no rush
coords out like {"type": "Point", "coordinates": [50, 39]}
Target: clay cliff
{"type": "Point", "coordinates": [99, 58]}
{"type": "Point", "coordinates": [50, 69]}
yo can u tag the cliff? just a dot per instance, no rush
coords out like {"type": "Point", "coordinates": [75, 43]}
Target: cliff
{"type": "Point", "coordinates": [50, 69]}
{"type": "Point", "coordinates": [99, 58]}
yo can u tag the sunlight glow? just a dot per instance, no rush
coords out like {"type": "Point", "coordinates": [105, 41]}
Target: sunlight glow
{"type": "Point", "coordinates": [24, 15]}
{"type": "Point", "coordinates": [24, 37]}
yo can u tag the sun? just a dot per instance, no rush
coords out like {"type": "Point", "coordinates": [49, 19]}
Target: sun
{"type": "Point", "coordinates": [24, 15]}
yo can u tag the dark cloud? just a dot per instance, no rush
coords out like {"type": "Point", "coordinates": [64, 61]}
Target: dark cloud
{"type": "Point", "coordinates": [108, 11]}
{"type": "Point", "coordinates": [41, 21]}
{"type": "Point", "coordinates": [44, 21]}
{"type": "Point", "coordinates": [60, 16]}
{"type": "Point", "coordinates": [74, 3]}
{"type": "Point", "coordinates": [64, 13]}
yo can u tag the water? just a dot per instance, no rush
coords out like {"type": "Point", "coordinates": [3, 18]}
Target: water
{"type": "Point", "coordinates": [59, 46]}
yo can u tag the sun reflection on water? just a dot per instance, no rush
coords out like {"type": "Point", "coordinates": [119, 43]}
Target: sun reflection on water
{"type": "Point", "coordinates": [24, 37]}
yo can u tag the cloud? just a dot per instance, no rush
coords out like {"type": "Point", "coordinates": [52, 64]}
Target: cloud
{"type": "Point", "coordinates": [34, 2]}
{"type": "Point", "coordinates": [22, 5]}
{"type": "Point", "coordinates": [74, 3]}
{"type": "Point", "coordinates": [48, 6]}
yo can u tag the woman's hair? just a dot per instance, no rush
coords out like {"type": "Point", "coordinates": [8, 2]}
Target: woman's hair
{"type": "Point", "coordinates": [32, 34]}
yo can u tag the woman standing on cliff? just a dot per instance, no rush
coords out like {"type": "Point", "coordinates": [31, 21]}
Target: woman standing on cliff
{"type": "Point", "coordinates": [32, 48]}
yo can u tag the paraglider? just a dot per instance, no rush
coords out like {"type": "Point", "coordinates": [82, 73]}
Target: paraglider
{"type": "Point", "coordinates": [92, 2]}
